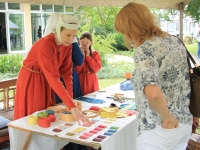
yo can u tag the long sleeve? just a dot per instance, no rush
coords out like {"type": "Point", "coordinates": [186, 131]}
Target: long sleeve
{"type": "Point", "coordinates": [66, 71]}
{"type": "Point", "coordinates": [94, 62]}
{"type": "Point", "coordinates": [45, 55]}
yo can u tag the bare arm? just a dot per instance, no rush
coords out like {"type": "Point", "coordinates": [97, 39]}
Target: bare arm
{"type": "Point", "coordinates": [158, 103]}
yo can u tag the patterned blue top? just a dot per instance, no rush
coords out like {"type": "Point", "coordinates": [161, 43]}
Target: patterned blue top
{"type": "Point", "coordinates": [161, 62]}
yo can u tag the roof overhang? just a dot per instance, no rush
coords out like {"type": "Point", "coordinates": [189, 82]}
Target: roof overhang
{"type": "Point", "coordinates": [162, 4]}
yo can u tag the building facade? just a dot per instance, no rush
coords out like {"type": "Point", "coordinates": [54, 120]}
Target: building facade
{"type": "Point", "coordinates": [21, 25]}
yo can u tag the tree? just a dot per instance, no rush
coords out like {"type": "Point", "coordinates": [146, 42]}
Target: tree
{"type": "Point", "coordinates": [193, 9]}
{"type": "Point", "coordinates": [100, 19]}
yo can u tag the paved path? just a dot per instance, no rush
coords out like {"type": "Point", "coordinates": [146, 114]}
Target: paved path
{"type": "Point", "coordinates": [114, 58]}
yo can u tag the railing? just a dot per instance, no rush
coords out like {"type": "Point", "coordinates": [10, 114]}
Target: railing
{"type": "Point", "coordinates": [7, 91]}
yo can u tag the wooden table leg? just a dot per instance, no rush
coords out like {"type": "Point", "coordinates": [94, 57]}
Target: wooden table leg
{"type": "Point", "coordinates": [28, 140]}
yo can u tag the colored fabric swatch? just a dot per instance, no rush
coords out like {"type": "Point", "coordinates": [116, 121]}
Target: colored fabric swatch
{"type": "Point", "coordinates": [84, 137]}
{"type": "Point", "coordinates": [114, 127]}
{"type": "Point", "coordinates": [108, 133]}
{"type": "Point", "coordinates": [91, 100]}
{"type": "Point", "coordinates": [70, 134]}
{"type": "Point", "coordinates": [97, 139]}
{"type": "Point", "coordinates": [101, 137]}
{"type": "Point", "coordinates": [112, 130]}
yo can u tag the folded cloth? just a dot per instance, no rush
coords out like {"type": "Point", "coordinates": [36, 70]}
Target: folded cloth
{"type": "Point", "coordinates": [126, 85]}
{"type": "Point", "coordinates": [124, 105]}
{"type": "Point", "coordinates": [3, 122]}
{"type": "Point", "coordinates": [90, 100]}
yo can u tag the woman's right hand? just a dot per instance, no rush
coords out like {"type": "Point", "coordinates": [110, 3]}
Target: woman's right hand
{"type": "Point", "coordinates": [170, 122]}
{"type": "Point", "coordinates": [80, 117]}
{"type": "Point", "coordinates": [85, 51]}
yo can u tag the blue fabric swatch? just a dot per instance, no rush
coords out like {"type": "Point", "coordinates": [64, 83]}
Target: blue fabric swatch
{"type": "Point", "coordinates": [124, 105]}
{"type": "Point", "coordinates": [126, 85]}
{"type": "Point", "coordinates": [91, 100]}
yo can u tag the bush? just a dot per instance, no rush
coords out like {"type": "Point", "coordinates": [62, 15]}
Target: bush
{"type": "Point", "coordinates": [115, 70]}
{"type": "Point", "coordinates": [103, 45]}
{"type": "Point", "coordinates": [10, 63]}
{"type": "Point", "coordinates": [119, 45]}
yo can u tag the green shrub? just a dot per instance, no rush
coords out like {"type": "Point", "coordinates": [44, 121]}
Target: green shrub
{"type": "Point", "coordinates": [10, 63]}
{"type": "Point", "coordinates": [119, 45]}
{"type": "Point", "coordinates": [115, 70]}
{"type": "Point", "coordinates": [103, 45]}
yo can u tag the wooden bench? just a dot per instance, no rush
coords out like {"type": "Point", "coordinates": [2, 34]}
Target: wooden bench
{"type": "Point", "coordinates": [6, 87]}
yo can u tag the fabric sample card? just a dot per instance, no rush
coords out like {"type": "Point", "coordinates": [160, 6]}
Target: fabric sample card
{"type": "Point", "coordinates": [97, 140]}
{"type": "Point", "coordinates": [98, 129]}
{"type": "Point", "coordinates": [70, 134]}
{"type": "Point", "coordinates": [68, 124]}
{"type": "Point", "coordinates": [112, 130]}
{"type": "Point", "coordinates": [57, 130]}
{"type": "Point", "coordinates": [94, 131]}
{"type": "Point", "coordinates": [101, 137]}
{"type": "Point", "coordinates": [108, 133]}
{"type": "Point", "coordinates": [88, 134]}
{"type": "Point", "coordinates": [102, 126]}
{"type": "Point", "coordinates": [84, 137]}
{"type": "Point", "coordinates": [114, 127]}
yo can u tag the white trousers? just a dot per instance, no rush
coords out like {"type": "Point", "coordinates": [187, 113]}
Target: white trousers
{"type": "Point", "coordinates": [165, 139]}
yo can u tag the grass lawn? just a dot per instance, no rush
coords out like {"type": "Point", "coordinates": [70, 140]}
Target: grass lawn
{"type": "Point", "coordinates": [192, 48]}
{"type": "Point", "coordinates": [103, 83]}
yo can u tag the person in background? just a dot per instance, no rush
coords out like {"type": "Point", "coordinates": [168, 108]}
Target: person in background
{"type": "Point", "coordinates": [198, 39]}
{"type": "Point", "coordinates": [92, 64]}
{"type": "Point", "coordinates": [160, 81]}
{"type": "Point", "coordinates": [3, 36]}
{"type": "Point", "coordinates": [39, 32]}
{"type": "Point", "coordinates": [77, 59]}
{"type": "Point", "coordinates": [48, 59]}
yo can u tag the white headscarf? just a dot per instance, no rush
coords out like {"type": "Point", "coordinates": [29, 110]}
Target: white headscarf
{"type": "Point", "coordinates": [56, 21]}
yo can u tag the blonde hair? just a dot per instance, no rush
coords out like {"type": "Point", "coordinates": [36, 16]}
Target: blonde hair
{"type": "Point", "coordinates": [137, 23]}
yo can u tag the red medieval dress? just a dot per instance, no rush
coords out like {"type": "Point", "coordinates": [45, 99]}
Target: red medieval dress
{"type": "Point", "coordinates": [87, 73]}
{"type": "Point", "coordinates": [41, 71]}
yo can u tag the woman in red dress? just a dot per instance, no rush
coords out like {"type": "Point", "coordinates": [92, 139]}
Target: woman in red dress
{"type": "Point", "coordinates": [92, 64]}
{"type": "Point", "coordinates": [48, 59]}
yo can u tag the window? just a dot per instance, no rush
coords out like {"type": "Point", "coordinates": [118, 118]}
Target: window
{"type": "Point", "coordinates": [2, 6]}
{"type": "Point", "coordinates": [58, 8]}
{"type": "Point", "coordinates": [184, 26]}
{"type": "Point", "coordinates": [47, 8]}
{"type": "Point", "coordinates": [69, 9]}
{"type": "Point", "coordinates": [191, 27]}
{"type": "Point", "coordinates": [35, 7]}
{"type": "Point", "coordinates": [15, 6]}
{"type": "Point", "coordinates": [171, 26]}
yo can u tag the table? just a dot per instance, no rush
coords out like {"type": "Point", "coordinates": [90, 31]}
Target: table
{"type": "Point", "coordinates": [33, 137]}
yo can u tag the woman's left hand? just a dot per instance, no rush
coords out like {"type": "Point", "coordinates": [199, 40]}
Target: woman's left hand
{"type": "Point", "coordinates": [87, 52]}
{"type": "Point", "coordinates": [80, 117]}
{"type": "Point", "coordinates": [170, 122]}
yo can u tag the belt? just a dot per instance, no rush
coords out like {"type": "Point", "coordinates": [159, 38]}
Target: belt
{"type": "Point", "coordinates": [32, 70]}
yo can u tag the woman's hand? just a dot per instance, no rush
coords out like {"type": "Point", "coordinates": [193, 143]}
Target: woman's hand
{"type": "Point", "coordinates": [170, 122]}
{"type": "Point", "coordinates": [85, 51]}
{"type": "Point", "coordinates": [80, 117]}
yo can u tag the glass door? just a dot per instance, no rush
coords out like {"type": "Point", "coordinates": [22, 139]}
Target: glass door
{"type": "Point", "coordinates": [15, 32]}
{"type": "Point", "coordinates": [36, 24]}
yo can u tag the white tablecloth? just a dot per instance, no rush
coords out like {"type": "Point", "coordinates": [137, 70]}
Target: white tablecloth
{"type": "Point", "coordinates": [123, 139]}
